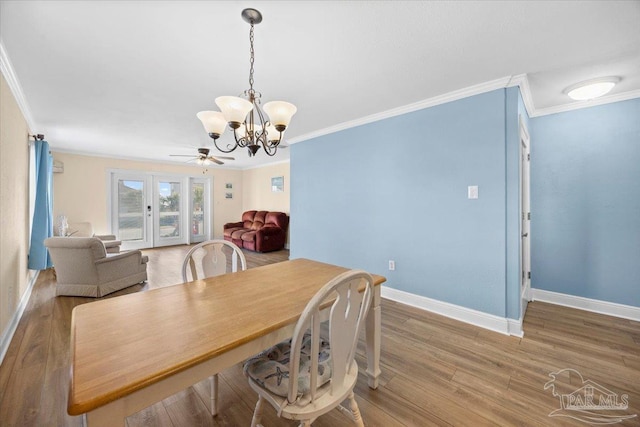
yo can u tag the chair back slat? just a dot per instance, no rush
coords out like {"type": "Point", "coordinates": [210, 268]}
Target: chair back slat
{"type": "Point", "coordinates": [352, 291]}
{"type": "Point", "coordinates": [209, 259]}
{"type": "Point", "coordinates": [315, 350]}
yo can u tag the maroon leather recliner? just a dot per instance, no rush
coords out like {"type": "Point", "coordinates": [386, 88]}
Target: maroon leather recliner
{"type": "Point", "coordinates": [259, 231]}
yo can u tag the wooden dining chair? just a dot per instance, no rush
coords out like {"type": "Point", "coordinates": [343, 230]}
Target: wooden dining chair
{"type": "Point", "coordinates": [208, 259]}
{"type": "Point", "coordinates": [309, 375]}
{"type": "Point", "coordinates": [212, 258]}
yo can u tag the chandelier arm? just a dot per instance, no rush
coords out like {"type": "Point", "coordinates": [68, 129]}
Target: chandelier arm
{"type": "Point", "coordinates": [256, 121]}
{"type": "Point", "coordinates": [228, 145]}
{"type": "Point", "coordinates": [270, 150]}
{"type": "Point", "coordinates": [242, 141]}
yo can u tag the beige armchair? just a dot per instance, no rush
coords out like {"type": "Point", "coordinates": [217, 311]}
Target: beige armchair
{"type": "Point", "coordinates": [85, 229]}
{"type": "Point", "coordinates": [84, 269]}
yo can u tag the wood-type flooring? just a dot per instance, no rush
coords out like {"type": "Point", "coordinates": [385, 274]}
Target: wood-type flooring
{"type": "Point", "coordinates": [435, 371]}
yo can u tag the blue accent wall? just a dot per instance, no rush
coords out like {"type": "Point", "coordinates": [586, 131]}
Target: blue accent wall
{"type": "Point", "coordinates": [585, 198]}
{"type": "Point", "coordinates": [396, 189]}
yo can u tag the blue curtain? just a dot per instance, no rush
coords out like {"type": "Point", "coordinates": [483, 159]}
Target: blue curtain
{"type": "Point", "coordinates": [39, 258]}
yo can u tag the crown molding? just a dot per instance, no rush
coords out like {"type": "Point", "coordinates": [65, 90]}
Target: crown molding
{"type": "Point", "coordinates": [12, 80]}
{"type": "Point", "coordinates": [430, 102]}
{"type": "Point", "coordinates": [522, 82]}
{"type": "Point", "coordinates": [607, 99]}
{"type": "Point", "coordinates": [164, 162]}
{"type": "Point", "coordinates": [519, 80]}
{"type": "Point", "coordinates": [136, 159]}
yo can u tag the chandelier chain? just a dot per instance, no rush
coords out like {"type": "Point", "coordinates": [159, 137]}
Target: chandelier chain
{"type": "Point", "coordinates": [251, 58]}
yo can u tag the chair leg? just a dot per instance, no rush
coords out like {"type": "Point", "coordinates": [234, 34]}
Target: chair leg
{"type": "Point", "coordinates": [214, 394]}
{"type": "Point", "coordinates": [257, 413]}
{"type": "Point", "coordinates": [355, 411]}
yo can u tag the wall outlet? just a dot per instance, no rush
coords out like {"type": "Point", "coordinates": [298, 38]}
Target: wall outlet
{"type": "Point", "coordinates": [472, 192]}
{"type": "Point", "coordinates": [392, 265]}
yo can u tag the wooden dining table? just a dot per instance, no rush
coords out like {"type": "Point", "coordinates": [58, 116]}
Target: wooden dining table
{"type": "Point", "coordinates": [132, 351]}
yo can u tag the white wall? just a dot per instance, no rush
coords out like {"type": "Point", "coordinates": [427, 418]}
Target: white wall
{"type": "Point", "coordinates": [80, 192]}
{"type": "Point", "coordinates": [14, 208]}
{"type": "Point", "coordinates": [257, 194]}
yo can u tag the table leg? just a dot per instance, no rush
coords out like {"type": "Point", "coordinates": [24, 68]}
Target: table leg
{"type": "Point", "coordinates": [373, 326]}
{"type": "Point", "coordinates": [111, 415]}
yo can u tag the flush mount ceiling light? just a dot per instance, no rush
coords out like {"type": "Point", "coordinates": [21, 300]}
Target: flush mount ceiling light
{"type": "Point", "coordinates": [251, 127]}
{"type": "Point", "coordinates": [591, 89]}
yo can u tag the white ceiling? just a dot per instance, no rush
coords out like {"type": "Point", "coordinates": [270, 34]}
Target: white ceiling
{"type": "Point", "coordinates": [126, 78]}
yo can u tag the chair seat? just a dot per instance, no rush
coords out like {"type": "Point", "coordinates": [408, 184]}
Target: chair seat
{"type": "Point", "coordinates": [270, 369]}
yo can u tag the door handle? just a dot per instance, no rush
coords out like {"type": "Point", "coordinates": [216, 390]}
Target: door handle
{"type": "Point", "coordinates": [525, 235]}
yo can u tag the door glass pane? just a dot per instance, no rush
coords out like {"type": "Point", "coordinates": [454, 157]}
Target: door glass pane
{"type": "Point", "coordinates": [169, 208]}
{"type": "Point", "coordinates": [197, 209]}
{"type": "Point", "coordinates": [130, 210]}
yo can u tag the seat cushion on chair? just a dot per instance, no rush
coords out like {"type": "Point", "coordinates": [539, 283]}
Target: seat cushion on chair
{"type": "Point", "coordinates": [270, 369]}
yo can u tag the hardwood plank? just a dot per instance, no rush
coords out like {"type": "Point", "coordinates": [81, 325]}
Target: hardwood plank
{"type": "Point", "coordinates": [154, 416]}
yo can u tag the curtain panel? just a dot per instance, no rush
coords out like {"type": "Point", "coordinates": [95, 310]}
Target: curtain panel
{"type": "Point", "coordinates": [39, 258]}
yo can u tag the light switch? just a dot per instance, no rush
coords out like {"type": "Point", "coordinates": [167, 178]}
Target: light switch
{"type": "Point", "coordinates": [472, 191]}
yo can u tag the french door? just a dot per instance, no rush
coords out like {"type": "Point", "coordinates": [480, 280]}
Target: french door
{"type": "Point", "coordinates": [198, 210]}
{"type": "Point", "coordinates": [149, 210]}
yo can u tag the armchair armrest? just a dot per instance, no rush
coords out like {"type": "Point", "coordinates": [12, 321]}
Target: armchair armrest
{"type": "Point", "coordinates": [119, 265]}
{"type": "Point", "coordinates": [270, 230]}
{"type": "Point", "coordinates": [105, 236]}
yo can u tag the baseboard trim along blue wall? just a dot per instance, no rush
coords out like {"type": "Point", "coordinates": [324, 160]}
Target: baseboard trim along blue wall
{"type": "Point", "coordinates": [396, 189]}
{"type": "Point", "coordinates": [603, 307]}
{"type": "Point", "coordinates": [463, 314]}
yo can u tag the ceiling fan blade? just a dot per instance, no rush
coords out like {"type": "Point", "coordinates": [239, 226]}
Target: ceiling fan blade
{"type": "Point", "coordinates": [225, 158]}
{"type": "Point", "coordinates": [214, 160]}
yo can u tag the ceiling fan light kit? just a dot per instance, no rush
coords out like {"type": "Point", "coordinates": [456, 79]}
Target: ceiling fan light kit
{"type": "Point", "coordinates": [591, 89]}
{"type": "Point", "coordinates": [253, 126]}
{"type": "Point", "coordinates": [203, 158]}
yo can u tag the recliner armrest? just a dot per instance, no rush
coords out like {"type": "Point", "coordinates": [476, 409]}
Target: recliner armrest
{"type": "Point", "coordinates": [105, 236]}
{"type": "Point", "coordinates": [270, 230]}
{"type": "Point", "coordinates": [233, 224]}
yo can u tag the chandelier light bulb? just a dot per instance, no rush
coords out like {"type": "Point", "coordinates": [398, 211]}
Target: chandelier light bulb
{"type": "Point", "coordinates": [280, 113]}
{"type": "Point", "coordinates": [214, 122]}
{"type": "Point", "coordinates": [234, 109]}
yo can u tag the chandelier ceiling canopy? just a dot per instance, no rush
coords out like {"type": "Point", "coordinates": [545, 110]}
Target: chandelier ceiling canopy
{"type": "Point", "coordinates": [253, 126]}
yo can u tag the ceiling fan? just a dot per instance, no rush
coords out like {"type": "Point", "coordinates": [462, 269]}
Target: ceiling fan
{"type": "Point", "coordinates": [203, 157]}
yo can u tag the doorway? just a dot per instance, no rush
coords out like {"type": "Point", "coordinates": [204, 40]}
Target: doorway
{"type": "Point", "coordinates": [151, 210]}
{"type": "Point", "coordinates": [525, 212]}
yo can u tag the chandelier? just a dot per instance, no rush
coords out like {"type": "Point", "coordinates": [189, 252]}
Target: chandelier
{"type": "Point", "coordinates": [251, 127]}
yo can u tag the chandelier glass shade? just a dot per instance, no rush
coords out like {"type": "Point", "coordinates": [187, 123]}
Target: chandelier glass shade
{"type": "Point", "coordinates": [253, 126]}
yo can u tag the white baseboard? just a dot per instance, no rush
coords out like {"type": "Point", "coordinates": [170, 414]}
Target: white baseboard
{"type": "Point", "coordinates": [463, 314]}
{"type": "Point", "coordinates": [588, 304]}
{"type": "Point", "coordinates": [7, 335]}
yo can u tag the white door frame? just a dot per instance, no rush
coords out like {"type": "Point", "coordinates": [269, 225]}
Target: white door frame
{"type": "Point", "coordinates": [151, 216]}
{"type": "Point", "coordinates": [208, 214]}
{"type": "Point", "coordinates": [112, 215]}
{"type": "Point", "coordinates": [525, 217]}
{"type": "Point", "coordinates": [181, 229]}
